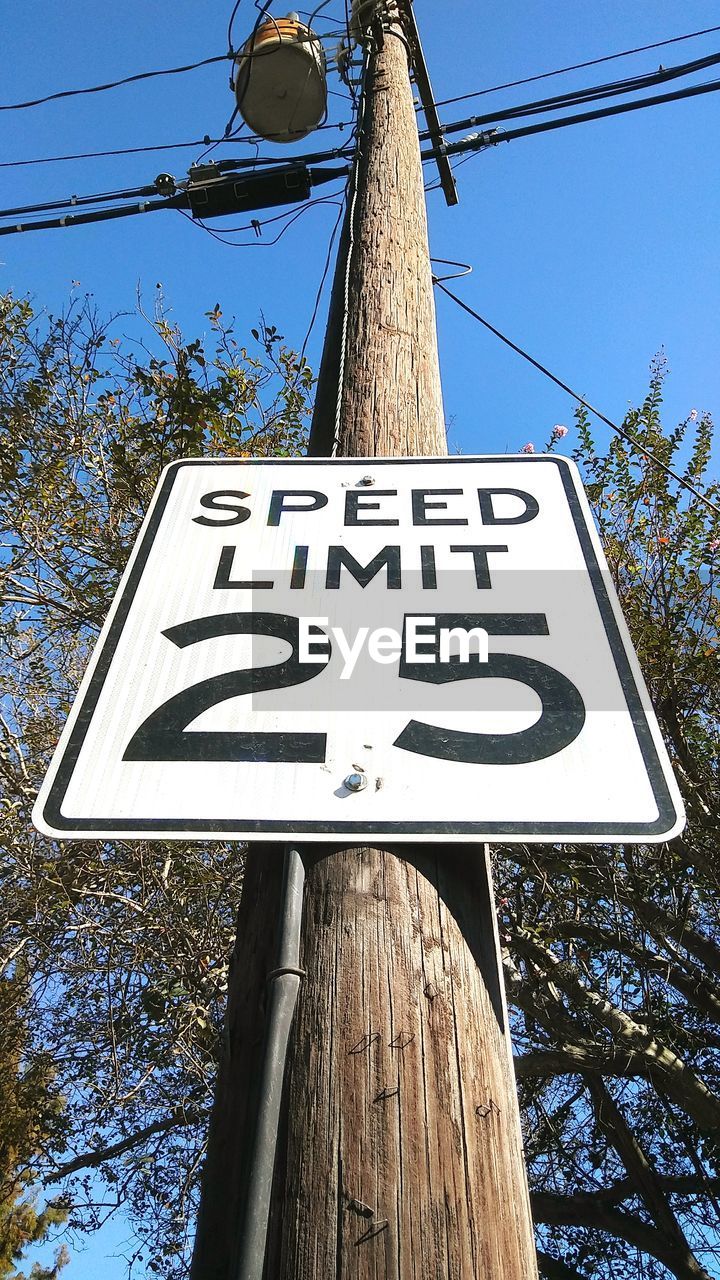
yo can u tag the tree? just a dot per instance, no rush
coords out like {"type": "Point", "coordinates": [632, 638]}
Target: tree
{"type": "Point", "coordinates": [30, 1120]}
{"type": "Point", "coordinates": [612, 957]}
{"type": "Point", "coordinates": [123, 947]}
{"type": "Point", "coordinates": [117, 953]}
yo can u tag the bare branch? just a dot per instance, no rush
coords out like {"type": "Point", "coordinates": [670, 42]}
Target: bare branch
{"type": "Point", "coordinates": [91, 1159]}
{"type": "Point", "coordinates": [585, 1211]}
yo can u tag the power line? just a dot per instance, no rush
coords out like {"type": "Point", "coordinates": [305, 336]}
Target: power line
{"type": "Point", "coordinates": [120, 151]}
{"type": "Point", "coordinates": [181, 201]}
{"type": "Point", "coordinates": [594, 93]}
{"type": "Point", "coordinates": [577, 66]}
{"type": "Point", "coordinates": [351, 198]}
{"type": "Point", "coordinates": [142, 75]}
{"type": "Point", "coordinates": [82, 219]}
{"type": "Point", "coordinates": [314, 157]}
{"type": "Point", "coordinates": [199, 173]}
{"type": "Point", "coordinates": [482, 141]}
{"type": "Point", "coordinates": [467, 145]}
{"type": "Point", "coordinates": [230, 134]}
{"type": "Point", "coordinates": [77, 201]}
{"type": "Point", "coordinates": [114, 84]}
{"type": "Point", "coordinates": [343, 204]}
{"type": "Point", "coordinates": [529, 108]}
{"type": "Point", "coordinates": [313, 17]}
{"type": "Point", "coordinates": [161, 146]}
{"type": "Point", "coordinates": [207, 141]}
{"type": "Point", "coordinates": [230, 23]}
{"type": "Point", "coordinates": [293, 215]}
{"type": "Point", "coordinates": [120, 211]}
{"type": "Point", "coordinates": [323, 278]}
{"type": "Point", "coordinates": [221, 233]}
{"type": "Point", "coordinates": [625, 435]}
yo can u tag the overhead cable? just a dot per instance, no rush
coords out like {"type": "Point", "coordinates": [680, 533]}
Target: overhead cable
{"type": "Point", "coordinates": [257, 224]}
{"type": "Point", "coordinates": [292, 216]}
{"type": "Point", "coordinates": [120, 211]}
{"type": "Point", "coordinates": [230, 23]}
{"type": "Point", "coordinates": [77, 201]}
{"type": "Point", "coordinates": [290, 185]}
{"type": "Point", "coordinates": [224, 57]}
{"type": "Point", "coordinates": [120, 151]}
{"type": "Point", "coordinates": [313, 157]}
{"type": "Point", "coordinates": [595, 93]}
{"type": "Point", "coordinates": [113, 84]}
{"type": "Point", "coordinates": [530, 108]}
{"type": "Point", "coordinates": [97, 215]}
{"type": "Point", "coordinates": [142, 75]}
{"type": "Point", "coordinates": [577, 66]}
{"type": "Point", "coordinates": [161, 146]}
{"type": "Point", "coordinates": [473, 143]}
{"type": "Point", "coordinates": [305, 13]}
{"type": "Point", "coordinates": [198, 173]}
{"type": "Point", "coordinates": [323, 278]}
{"type": "Point", "coordinates": [352, 194]}
{"type": "Point", "coordinates": [480, 142]}
{"type": "Point", "coordinates": [625, 435]}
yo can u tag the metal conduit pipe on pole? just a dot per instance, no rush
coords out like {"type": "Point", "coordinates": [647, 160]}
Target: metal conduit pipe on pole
{"type": "Point", "coordinates": [283, 987]}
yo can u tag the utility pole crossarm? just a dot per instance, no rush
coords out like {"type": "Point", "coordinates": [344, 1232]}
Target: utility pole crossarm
{"type": "Point", "coordinates": [435, 128]}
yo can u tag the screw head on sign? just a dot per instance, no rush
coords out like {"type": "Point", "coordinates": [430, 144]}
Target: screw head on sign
{"type": "Point", "coordinates": [367, 480]}
{"type": "Point", "coordinates": [355, 782]}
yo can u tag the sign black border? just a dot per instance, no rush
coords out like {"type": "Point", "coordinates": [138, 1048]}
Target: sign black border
{"type": "Point", "coordinates": [225, 828]}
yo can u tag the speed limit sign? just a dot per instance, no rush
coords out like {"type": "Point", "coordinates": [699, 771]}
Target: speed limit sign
{"type": "Point", "coordinates": [415, 649]}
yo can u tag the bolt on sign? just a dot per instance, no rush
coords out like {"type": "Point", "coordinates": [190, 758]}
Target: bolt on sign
{"type": "Point", "coordinates": [399, 649]}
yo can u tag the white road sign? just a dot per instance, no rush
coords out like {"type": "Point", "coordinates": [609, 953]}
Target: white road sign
{"type": "Point", "coordinates": [425, 649]}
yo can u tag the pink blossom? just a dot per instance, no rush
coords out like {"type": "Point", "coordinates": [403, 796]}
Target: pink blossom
{"type": "Point", "coordinates": [559, 431]}
{"type": "Point", "coordinates": [693, 415]}
{"type": "Point", "coordinates": [528, 448]}
{"type": "Point", "coordinates": [714, 544]}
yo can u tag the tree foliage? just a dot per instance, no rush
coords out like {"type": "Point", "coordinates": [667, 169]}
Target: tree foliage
{"type": "Point", "coordinates": [114, 955]}
{"type": "Point", "coordinates": [123, 947]}
{"type": "Point", "coordinates": [612, 955]}
{"type": "Point", "coordinates": [30, 1121]}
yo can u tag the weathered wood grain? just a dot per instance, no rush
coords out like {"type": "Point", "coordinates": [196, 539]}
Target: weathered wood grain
{"type": "Point", "coordinates": [383, 310]}
{"type": "Point", "coordinates": [404, 1157]}
{"type": "Point", "coordinates": [400, 1155]}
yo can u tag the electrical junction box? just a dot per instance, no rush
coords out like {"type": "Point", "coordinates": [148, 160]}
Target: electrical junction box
{"type": "Point", "coordinates": [224, 196]}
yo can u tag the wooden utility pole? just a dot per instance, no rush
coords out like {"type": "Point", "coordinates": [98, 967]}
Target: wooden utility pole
{"type": "Point", "coordinates": [400, 1154]}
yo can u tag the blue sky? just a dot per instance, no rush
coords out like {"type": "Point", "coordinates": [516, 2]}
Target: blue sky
{"type": "Point", "coordinates": [592, 247]}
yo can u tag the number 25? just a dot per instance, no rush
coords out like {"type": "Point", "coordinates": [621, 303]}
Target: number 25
{"type": "Point", "coordinates": [163, 735]}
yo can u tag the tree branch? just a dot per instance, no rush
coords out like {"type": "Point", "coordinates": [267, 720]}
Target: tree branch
{"type": "Point", "coordinates": [583, 1210]}
{"type": "Point", "coordinates": [612, 1123]}
{"type": "Point", "coordinates": [556, 1269]}
{"type": "Point", "coordinates": [687, 977]}
{"type": "Point", "coordinates": [91, 1159]}
{"type": "Point", "coordinates": [680, 1184]}
{"type": "Point", "coordinates": [632, 1040]}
